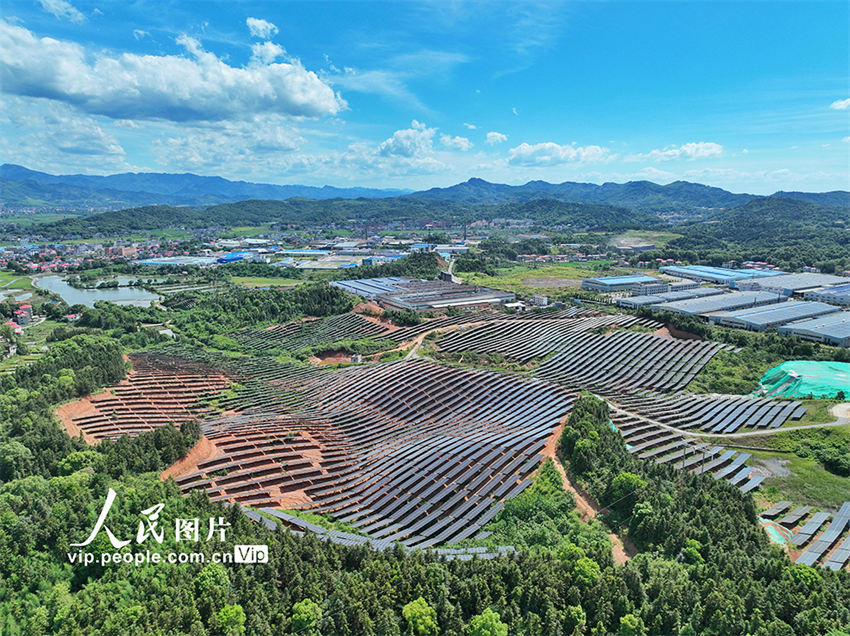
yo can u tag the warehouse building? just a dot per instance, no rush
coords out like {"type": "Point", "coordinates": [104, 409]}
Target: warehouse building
{"type": "Point", "coordinates": [837, 295]}
{"type": "Point", "coordinates": [371, 287]}
{"type": "Point", "coordinates": [633, 302]}
{"type": "Point", "coordinates": [761, 318]}
{"type": "Point", "coordinates": [424, 295]}
{"type": "Point", "coordinates": [616, 283]}
{"type": "Point", "coordinates": [720, 302]}
{"type": "Point", "coordinates": [831, 329]}
{"type": "Point", "coordinates": [721, 275]}
{"type": "Point", "coordinates": [791, 284]}
{"type": "Point", "coordinates": [662, 287]}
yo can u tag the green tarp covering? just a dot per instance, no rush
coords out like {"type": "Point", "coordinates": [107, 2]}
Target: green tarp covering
{"type": "Point", "coordinates": [799, 378]}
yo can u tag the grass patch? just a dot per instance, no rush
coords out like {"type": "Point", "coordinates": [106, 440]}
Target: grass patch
{"type": "Point", "coordinates": [13, 280]}
{"type": "Point", "coordinates": [808, 481]}
{"type": "Point", "coordinates": [260, 281]}
{"type": "Point", "coordinates": [733, 372]}
{"type": "Point", "coordinates": [659, 239]}
{"type": "Point", "coordinates": [511, 278]}
{"type": "Point", "coordinates": [319, 520]}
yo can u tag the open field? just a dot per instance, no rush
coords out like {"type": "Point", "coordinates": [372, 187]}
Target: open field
{"type": "Point", "coordinates": [13, 280]}
{"type": "Point", "coordinates": [532, 279]}
{"type": "Point", "coordinates": [27, 220]}
{"type": "Point", "coordinates": [636, 237]}
{"type": "Point", "coordinates": [802, 480]}
{"type": "Point", "coordinates": [259, 281]}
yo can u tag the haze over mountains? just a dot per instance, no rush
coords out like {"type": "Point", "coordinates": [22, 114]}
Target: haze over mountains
{"type": "Point", "coordinates": [20, 186]}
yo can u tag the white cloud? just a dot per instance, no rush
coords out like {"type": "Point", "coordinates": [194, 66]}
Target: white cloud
{"type": "Point", "coordinates": [846, 140]}
{"type": "Point", "coordinates": [514, 111]}
{"type": "Point", "coordinates": [551, 154]}
{"type": "Point", "coordinates": [494, 137]}
{"type": "Point", "coordinates": [380, 82]}
{"type": "Point", "coordinates": [56, 137]}
{"type": "Point", "coordinates": [692, 150]}
{"type": "Point", "coordinates": [196, 87]}
{"type": "Point", "coordinates": [840, 104]}
{"type": "Point", "coordinates": [415, 141]}
{"type": "Point", "coordinates": [266, 52]}
{"type": "Point", "coordinates": [260, 28]}
{"type": "Point", "coordinates": [456, 143]}
{"type": "Point", "coordinates": [63, 9]}
{"type": "Point", "coordinates": [653, 174]}
{"type": "Point", "coordinates": [138, 34]}
{"type": "Point", "coordinates": [222, 145]}
{"type": "Point", "coordinates": [470, 126]}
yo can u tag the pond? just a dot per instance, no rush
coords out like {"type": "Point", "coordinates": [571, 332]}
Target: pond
{"type": "Point", "coordinates": [88, 297]}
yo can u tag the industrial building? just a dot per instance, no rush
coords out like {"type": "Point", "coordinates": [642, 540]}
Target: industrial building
{"type": "Point", "coordinates": [649, 300]}
{"type": "Point", "coordinates": [721, 275]}
{"type": "Point", "coordinates": [616, 283]}
{"type": "Point", "coordinates": [790, 284]}
{"type": "Point", "coordinates": [720, 302]}
{"type": "Point", "coordinates": [424, 295]}
{"type": "Point", "coordinates": [761, 318]}
{"type": "Point", "coordinates": [831, 329]}
{"type": "Point", "coordinates": [837, 295]}
{"type": "Point", "coordinates": [371, 287]}
{"type": "Point", "coordinates": [662, 287]}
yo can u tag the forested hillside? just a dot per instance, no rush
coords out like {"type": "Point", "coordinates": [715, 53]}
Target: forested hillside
{"type": "Point", "coordinates": [787, 232]}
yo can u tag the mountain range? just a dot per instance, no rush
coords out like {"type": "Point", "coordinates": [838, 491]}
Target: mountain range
{"type": "Point", "coordinates": [22, 187]}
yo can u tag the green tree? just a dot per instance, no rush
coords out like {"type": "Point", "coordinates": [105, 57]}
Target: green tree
{"type": "Point", "coordinates": [487, 623]}
{"type": "Point", "coordinates": [306, 615]}
{"type": "Point", "coordinates": [631, 625]}
{"type": "Point", "coordinates": [230, 620]}
{"type": "Point", "coordinates": [421, 618]}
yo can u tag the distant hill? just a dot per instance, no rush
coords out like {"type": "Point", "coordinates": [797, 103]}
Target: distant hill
{"type": "Point", "coordinates": [134, 189]}
{"type": "Point", "coordinates": [639, 195]}
{"type": "Point", "coordinates": [836, 198]}
{"type": "Point", "coordinates": [679, 196]}
{"type": "Point", "coordinates": [770, 228]}
{"type": "Point", "coordinates": [302, 212]}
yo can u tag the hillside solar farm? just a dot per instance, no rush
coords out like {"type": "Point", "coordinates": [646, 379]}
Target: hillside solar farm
{"type": "Point", "coordinates": [424, 452]}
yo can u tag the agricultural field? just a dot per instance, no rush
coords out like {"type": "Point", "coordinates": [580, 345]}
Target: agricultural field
{"type": "Point", "coordinates": [637, 237]}
{"type": "Point", "coordinates": [531, 279]}
{"type": "Point", "coordinates": [260, 281]}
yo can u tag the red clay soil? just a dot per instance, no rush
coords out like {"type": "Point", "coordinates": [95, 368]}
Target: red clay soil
{"type": "Point", "coordinates": [201, 451]}
{"type": "Point", "coordinates": [622, 548]}
{"type": "Point", "coordinates": [682, 335]}
{"type": "Point", "coordinates": [67, 413]}
{"type": "Point", "coordinates": [330, 358]}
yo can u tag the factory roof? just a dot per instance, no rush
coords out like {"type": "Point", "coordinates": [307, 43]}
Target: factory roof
{"type": "Point", "coordinates": [717, 274]}
{"type": "Point", "coordinates": [795, 282]}
{"type": "Point", "coordinates": [774, 314]}
{"type": "Point", "coordinates": [721, 302]}
{"type": "Point", "coordinates": [624, 280]}
{"type": "Point", "coordinates": [836, 325]}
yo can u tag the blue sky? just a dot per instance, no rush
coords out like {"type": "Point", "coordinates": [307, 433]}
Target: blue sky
{"type": "Point", "coordinates": [747, 96]}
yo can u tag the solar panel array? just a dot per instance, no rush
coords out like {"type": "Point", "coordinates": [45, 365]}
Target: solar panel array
{"type": "Point", "coordinates": [485, 315]}
{"type": "Point", "coordinates": [825, 535]}
{"type": "Point", "coordinates": [708, 413]}
{"type": "Point", "coordinates": [527, 339]}
{"type": "Point", "coordinates": [295, 525]}
{"type": "Point", "coordinates": [158, 391]}
{"type": "Point", "coordinates": [300, 334]}
{"type": "Point", "coordinates": [628, 360]}
{"type": "Point", "coordinates": [652, 442]}
{"type": "Point", "coordinates": [429, 462]}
